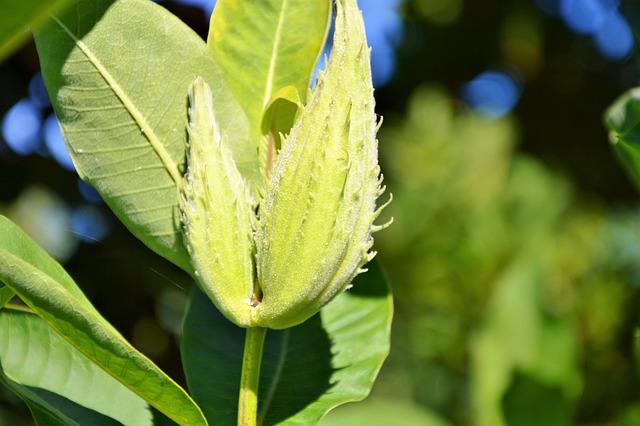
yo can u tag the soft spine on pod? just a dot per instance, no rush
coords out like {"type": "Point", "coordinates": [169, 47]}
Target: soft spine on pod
{"type": "Point", "coordinates": [316, 218]}
{"type": "Point", "coordinates": [217, 214]}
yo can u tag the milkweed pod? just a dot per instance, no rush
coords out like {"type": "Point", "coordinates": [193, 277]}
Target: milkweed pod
{"type": "Point", "coordinates": [316, 219]}
{"type": "Point", "coordinates": [217, 213]}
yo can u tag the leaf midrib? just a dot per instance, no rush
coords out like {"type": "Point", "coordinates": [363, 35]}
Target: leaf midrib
{"type": "Point", "coordinates": [128, 104]}
{"type": "Point", "coordinates": [274, 54]}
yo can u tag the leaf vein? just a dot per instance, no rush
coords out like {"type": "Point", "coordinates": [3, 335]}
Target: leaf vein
{"type": "Point", "coordinates": [153, 139]}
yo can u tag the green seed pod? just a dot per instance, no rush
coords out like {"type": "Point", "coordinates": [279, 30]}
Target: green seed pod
{"type": "Point", "coordinates": [217, 213]}
{"type": "Point", "coordinates": [316, 219]}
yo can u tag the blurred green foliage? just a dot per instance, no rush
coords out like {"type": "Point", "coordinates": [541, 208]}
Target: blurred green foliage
{"type": "Point", "coordinates": [513, 296]}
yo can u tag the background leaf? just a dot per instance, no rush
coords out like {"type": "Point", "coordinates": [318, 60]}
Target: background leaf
{"type": "Point", "coordinates": [525, 357]}
{"type": "Point", "coordinates": [46, 288]}
{"type": "Point", "coordinates": [57, 381]}
{"type": "Point", "coordinates": [264, 46]}
{"type": "Point", "coordinates": [123, 111]}
{"type": "Point", "coordinates": [331, 359]}
{"type": "Point", "coordinates": [382, 412]}
{"type": "Point", "coordinates": [18, 16]}
{"type": "Point", "coordinates": [623, 121]}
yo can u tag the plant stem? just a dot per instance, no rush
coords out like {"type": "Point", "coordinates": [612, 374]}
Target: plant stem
{"type": "Point", "coordinates": [251, 360]}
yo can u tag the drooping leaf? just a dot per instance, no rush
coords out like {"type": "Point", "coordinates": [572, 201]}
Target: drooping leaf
{"type": "Point", "coordinates": [623, 122]}
{"type": "Point", "coordinates": [118, 74]}
{"type": "Point", "coordinates": [18, 16]}
{"type": "Point", "coordinates": [6, 294]}
{"type": "Point", "coordinates": [265, 46]}
{"type": "Point", "coordinates": [330, 359]}
{"type": "Point", "coordinates": [57, 381]}
{"type": "Point", "coordinates": [47, 289]}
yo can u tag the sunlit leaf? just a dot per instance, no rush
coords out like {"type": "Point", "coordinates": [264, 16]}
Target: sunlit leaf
{"type": "Point", "coordinates": [265, 46]}
{"type": "Point", "coordinates": [118, 74]}
{"type": "Point", "coordinates": [57, 381]}
{"type": "Point", "coordinates": [47, 289]}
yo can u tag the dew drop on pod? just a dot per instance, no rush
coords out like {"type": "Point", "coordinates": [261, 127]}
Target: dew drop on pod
{"type": "Point", "coordinates": [274, 258]}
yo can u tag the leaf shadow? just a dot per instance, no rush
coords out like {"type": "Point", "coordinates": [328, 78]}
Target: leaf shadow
{"type": "Point", "coordinates": [296, 370]}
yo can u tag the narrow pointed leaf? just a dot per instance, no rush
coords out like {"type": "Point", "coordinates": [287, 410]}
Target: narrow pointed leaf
{"type": "Point", "coordinates": [47, 289]}
{"type": "Point", "coordinates": [118, 74]}
{"type": "Point", "coordinates": [331, 359]}
{"type": "Point", "coordinates": [265, 46]}
{"type": "Point", "coordinates": [57, 381]}
{"type": "Point", "coordinates": [18, 17]}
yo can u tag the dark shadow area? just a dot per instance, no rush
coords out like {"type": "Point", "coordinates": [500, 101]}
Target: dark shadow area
{"type": "Point", "coordinates": [372, 283]}
{"type": "Point", "coordinates": [303, 355]}
{"type": "Point", "coordinates": [528, 402]}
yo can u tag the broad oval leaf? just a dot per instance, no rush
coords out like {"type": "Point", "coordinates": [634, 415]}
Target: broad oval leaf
{"type": "Point", "coordinates": [18, 16]}
{"type": "Point", "coordinates": [265, 46]}
{"type": "Point", "coordinates": [57, 381]}
{"type": "Point", "coordinates": [118, 73]}
{"type": "Point", "coordinates": [47, 289]}
{"type": "Point", "coordinates": [307, 370]}
{"type": "Point", "coordinates": [623, 122]}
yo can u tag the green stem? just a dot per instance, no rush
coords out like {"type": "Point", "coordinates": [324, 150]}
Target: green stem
{"type": "Point", "coordinates": [251, 360]}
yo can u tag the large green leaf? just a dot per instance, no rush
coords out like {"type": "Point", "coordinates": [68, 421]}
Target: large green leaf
{"type": "Point", "coordinates": [18, 16]}
{"type": "Point", "coordinates": [45, 287]}
{"type": "Point", "coordinates": [118, 74]}
{"type": "Point", "coordinates": [57, 381]}
{"type": "Point", "coordinates": [265, 46]}
{"type": "Point", "coordinates": [623, 121]}
{"type": "Point", "coordinates": [331, 359]}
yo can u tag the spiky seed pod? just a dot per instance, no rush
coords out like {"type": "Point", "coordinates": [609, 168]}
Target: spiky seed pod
{"type": "Point", "coordinates": [217, 213]}
{"type": "Point", "coordinates": [316, 219]}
